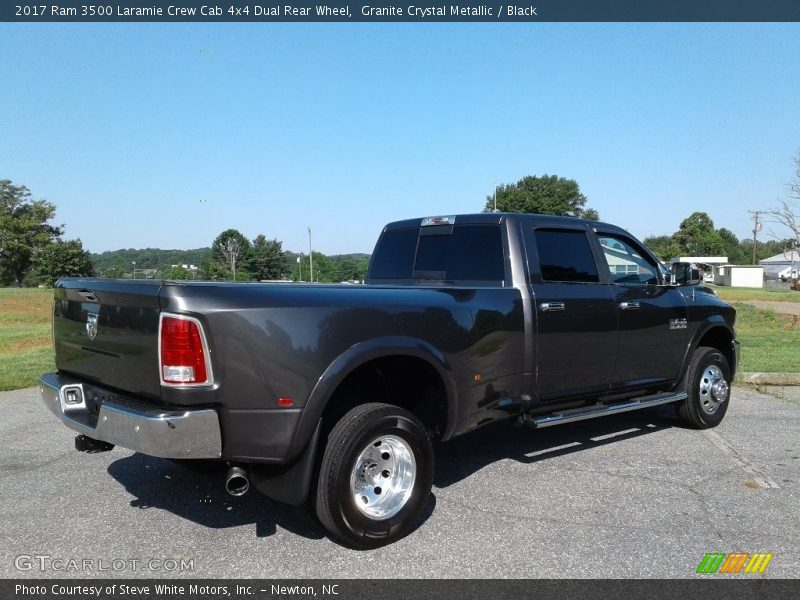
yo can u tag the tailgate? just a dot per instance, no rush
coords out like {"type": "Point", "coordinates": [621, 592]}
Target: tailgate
{"type": "Point", "coordinates": [106, 330]}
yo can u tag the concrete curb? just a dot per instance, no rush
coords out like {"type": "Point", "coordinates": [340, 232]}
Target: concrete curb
{"type": "Point", "coordinates": [769, 378]}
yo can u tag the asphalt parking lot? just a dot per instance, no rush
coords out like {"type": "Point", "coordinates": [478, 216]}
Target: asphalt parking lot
{"type": "Point", "coordinates": [633, 495]}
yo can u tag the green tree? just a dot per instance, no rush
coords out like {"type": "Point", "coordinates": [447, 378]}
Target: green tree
{"type": "Point", "coordinates": [177, 272]}
{"type": "Point", "coordinates": [696, 236]}
{"type": "Point", "coordinates": [732, 247]}
{"type": "Point", "coordinates": [548, 195]}
{"type": "Point", "coordinates": [61, 259]}
{"type": "Point", "coordinates": [113, 272]}
{"type": "Point", "coordinates": [348, 268]}
{"type": "Point", "coordinates": [268, 258]}
{"type": "Point", "coordinates": [213, 270]}
{"type": "Point", "coordinates": [767, 248]}
{"type": "Point", "coordinates": [323, 268]}
{"type": "Point", "coordinates": [235, 253]}
{"type": "Point", "coordinates": [362, 265]}
{"type": "Point", "coordinates": [663, 246]}
{"type": "Point", "coordinates": [24, 229]}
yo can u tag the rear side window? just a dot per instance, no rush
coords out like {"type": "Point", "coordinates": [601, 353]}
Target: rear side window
{"type": "Point", "coordinates": [465, 252]}
{"type": "Point", "coordinates": [565, 255]}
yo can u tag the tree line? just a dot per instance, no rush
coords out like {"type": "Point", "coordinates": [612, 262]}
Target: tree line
{"type": "Point", "coordinates": [119, 263]}
{"type": "Point", "coordinates": [157, 263]}
{"type": "Point", "coordinates": [234, 257]}
{"type": "Point", "coordinates": [697, 236]}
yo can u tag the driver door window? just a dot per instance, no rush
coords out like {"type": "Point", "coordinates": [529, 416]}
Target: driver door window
{"type": "Point", "coordinates": [626, 263]}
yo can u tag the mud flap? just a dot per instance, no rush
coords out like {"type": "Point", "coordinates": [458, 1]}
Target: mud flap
{"type": "Point", "coordinates": [289, 484]}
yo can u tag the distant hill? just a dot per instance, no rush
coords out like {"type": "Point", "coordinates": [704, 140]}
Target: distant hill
{"type": "Point", "coordinates": [149, 258]}
{"type": "Point", "coordinates": [119, 263]}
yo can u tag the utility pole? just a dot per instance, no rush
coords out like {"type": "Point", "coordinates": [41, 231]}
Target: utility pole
{"type": "Point", "coordinates": [310, 257]}
{"type": "Point", "coordinates": [756, 228]}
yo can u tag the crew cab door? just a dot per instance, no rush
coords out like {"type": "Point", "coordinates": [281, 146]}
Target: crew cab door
{"type": "Point", "coordinates": [576, 314]}
{"type": "Point", "coordinates": [652, 316]}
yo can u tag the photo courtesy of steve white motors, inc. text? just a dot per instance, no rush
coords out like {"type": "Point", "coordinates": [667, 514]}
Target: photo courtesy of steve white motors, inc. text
{"type": "Point", "coordinates": [194, 590]}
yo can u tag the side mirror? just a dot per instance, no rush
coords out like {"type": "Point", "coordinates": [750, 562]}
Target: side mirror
{"type": "Point", "coordinates": [685, 274]}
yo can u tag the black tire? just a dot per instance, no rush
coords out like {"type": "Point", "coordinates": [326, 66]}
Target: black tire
{"type": "Point", "coordinates": [706, 405]}
{"type": "Point", "coordinates": [350, 438]}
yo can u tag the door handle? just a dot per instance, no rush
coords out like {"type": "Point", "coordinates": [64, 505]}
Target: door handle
{"type": "Point", "coordinates": [629, 305]}
{"type": "Point", "coordinates": [552, 306]}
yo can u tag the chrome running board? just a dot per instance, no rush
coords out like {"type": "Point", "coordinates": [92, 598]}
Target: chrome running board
{"type": "Point", "coordinates": [590, 412]}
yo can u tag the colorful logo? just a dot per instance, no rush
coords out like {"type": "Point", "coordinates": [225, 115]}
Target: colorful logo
{"type": "Point", "coordinates": [735, 562]}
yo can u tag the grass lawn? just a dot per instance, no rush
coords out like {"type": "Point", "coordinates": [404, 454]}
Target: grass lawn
{"type": "Point", "coordinates": [769, 344]}
{"type": "Point", "coordinates": [25, 348]}
{"type": "Point", "coordinates": [730, 294]}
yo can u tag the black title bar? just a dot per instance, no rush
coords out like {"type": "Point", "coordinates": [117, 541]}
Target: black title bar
{"type": "Point", "coordinates": [400, 10]}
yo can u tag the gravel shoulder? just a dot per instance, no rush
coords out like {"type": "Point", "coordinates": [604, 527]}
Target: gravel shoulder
{"type": "Point", "coordinates": [784, 308]}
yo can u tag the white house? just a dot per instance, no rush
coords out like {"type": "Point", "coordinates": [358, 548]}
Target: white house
{"type": "Point", "coordinates": [781, 264]}
{"type": "Point", "coordinates": [749, 276]}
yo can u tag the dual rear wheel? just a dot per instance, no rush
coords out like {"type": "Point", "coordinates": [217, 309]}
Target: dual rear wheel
{"type": "Point", "coordinates": [375, 477]}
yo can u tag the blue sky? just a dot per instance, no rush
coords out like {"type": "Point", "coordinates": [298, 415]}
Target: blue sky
{"type": "Point", "coordinates": [164, 135]}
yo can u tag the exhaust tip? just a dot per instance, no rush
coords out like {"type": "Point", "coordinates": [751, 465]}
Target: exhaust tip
{"type": "Point", "coordinates": [237, 483]}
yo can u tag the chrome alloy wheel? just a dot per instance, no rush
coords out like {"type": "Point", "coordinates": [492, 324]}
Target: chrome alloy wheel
{"type": "Point", "coordinates": [713, 389]}
{"type": "Point", "coordinates": [383, 477]}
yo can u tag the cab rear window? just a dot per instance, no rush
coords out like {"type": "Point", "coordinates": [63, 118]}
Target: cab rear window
{"type": "Point", "coordinates": [460, 253]}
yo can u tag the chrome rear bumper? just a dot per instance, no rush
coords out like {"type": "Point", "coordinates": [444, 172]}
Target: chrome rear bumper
{"type": "Point", "coordinates": [131, 423]}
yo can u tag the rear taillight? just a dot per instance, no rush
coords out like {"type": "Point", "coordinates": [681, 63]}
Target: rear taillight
{"type": "Point", "coordinates": [183, 351]}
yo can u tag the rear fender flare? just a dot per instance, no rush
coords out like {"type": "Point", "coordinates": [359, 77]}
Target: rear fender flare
{"type": "Point", "coordinates": [354, 357]}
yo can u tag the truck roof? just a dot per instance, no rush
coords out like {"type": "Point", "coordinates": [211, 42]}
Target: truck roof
{"type": "Point", "coordinates": [491, 218]}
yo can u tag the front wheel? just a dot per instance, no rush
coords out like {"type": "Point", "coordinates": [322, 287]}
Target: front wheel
{"type": "Point", "coordinates": [708, 384]}
{"type": "Point", "coordinates": [375, 477]}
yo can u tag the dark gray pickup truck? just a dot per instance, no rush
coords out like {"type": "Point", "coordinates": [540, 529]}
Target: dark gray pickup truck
{"type": "Point", "coordinates": [331, 395]}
